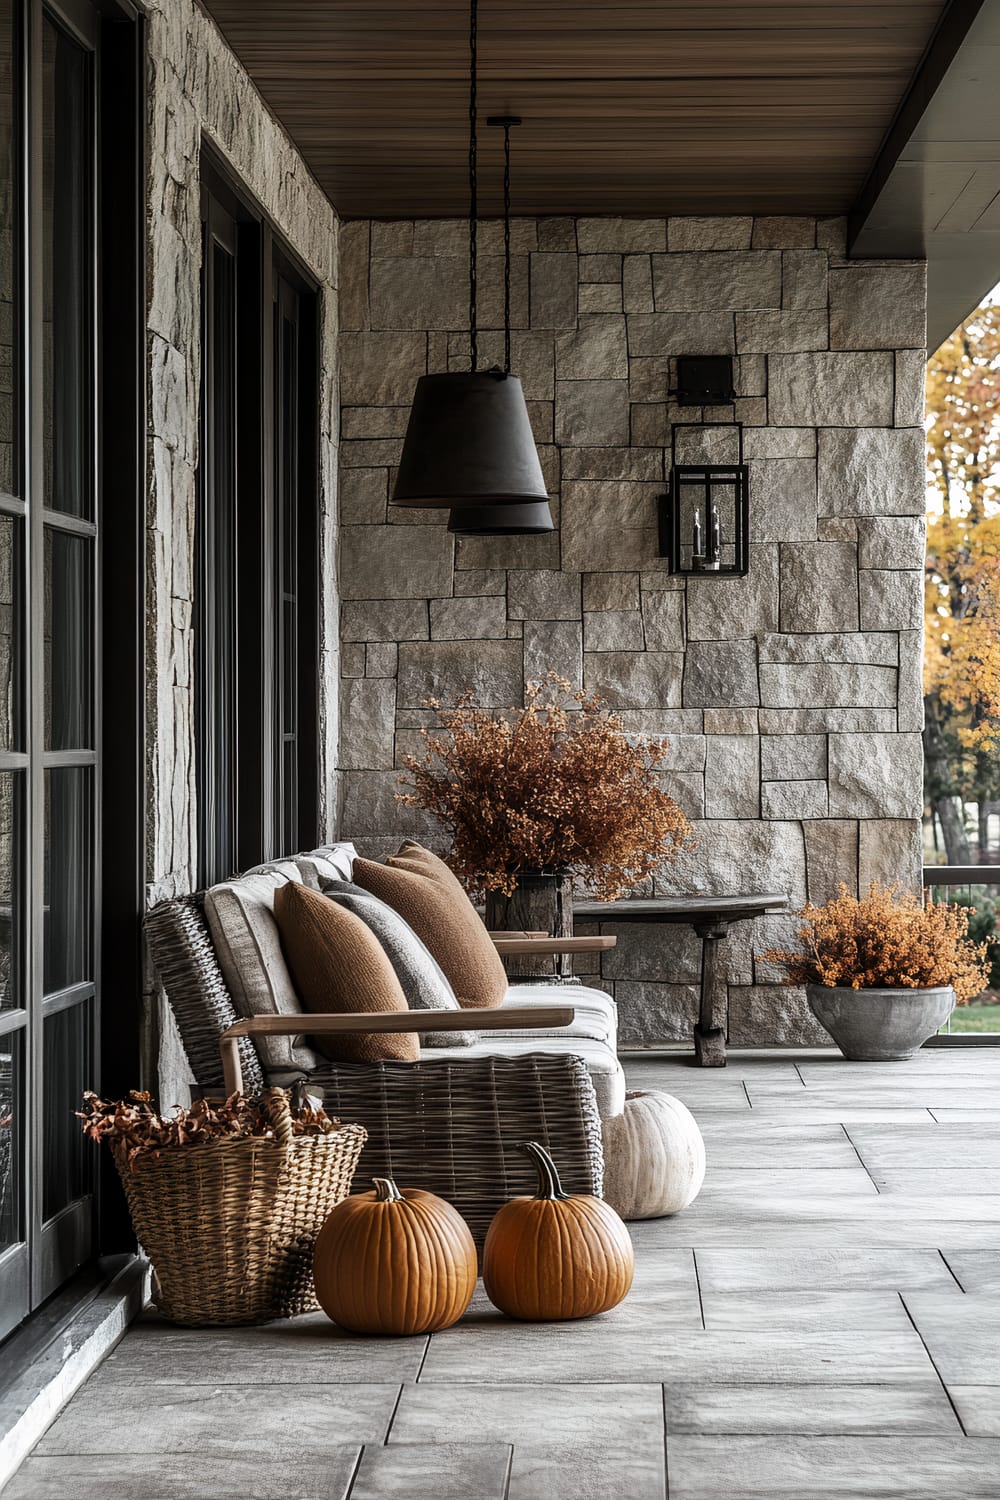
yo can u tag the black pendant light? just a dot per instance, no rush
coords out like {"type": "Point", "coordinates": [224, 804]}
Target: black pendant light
{"type": "Point", "coordinates": [530, 518]}
{"type": "Point", "coordinates": [468, 441]}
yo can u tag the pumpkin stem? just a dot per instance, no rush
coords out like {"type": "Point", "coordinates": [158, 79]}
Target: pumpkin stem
{"type": "Point", "coordinates": [549, 1185]}
{"type": "Point", "coordinates": [386, 1190]}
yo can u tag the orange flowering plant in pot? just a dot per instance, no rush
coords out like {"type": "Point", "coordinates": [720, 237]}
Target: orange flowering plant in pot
{"type": "Point", "coordinates": [551, 792]}
{"type": "Point", "coordinates": [883, 973]}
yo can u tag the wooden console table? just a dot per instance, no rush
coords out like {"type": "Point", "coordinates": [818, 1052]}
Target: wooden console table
{"type": "Point", "coordinates": [711, 917]}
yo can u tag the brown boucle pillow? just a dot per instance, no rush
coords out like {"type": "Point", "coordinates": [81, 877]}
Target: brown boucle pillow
{"type": "Point", "coordinates": [338, 964]}
{"type": "Point", "coordinates": [420, 886]}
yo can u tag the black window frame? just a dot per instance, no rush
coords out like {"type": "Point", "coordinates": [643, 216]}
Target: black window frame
{"type": "Point", "coordinates": [85, 1212]}
{"type": "Point", "coordinates": [240, 684]}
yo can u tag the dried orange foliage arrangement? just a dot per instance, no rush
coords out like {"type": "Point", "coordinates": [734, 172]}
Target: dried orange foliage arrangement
{"type": "Point", "coordinates": [555, 785]}
{"type": "Point", "coordinates": [886, 940]}
{"type": "Point", "coordinates": [133, 1128]}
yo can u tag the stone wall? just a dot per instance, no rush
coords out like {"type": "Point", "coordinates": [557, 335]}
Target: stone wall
{"type": "Point", "coordinates": [791, 697]}
{"type": "Point", "coordinates": [198, 92]}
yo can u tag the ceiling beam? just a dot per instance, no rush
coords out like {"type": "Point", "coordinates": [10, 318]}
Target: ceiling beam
{"type": "Point", "coordinates": [934, 189]}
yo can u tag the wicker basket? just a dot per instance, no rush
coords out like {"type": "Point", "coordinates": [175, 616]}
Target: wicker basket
{"type": "Point", "coordinates": [230, 1225]}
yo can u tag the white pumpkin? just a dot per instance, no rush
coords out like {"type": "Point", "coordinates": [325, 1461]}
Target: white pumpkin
{"type": "Point", "coordinates": [654, 1157]}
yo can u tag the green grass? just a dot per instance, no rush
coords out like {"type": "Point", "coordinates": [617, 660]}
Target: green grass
{"type": "Point", "coordinates": [975, 1018]}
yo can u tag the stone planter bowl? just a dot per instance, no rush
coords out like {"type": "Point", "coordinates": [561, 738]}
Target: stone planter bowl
{"type": "Point", "coordinates": [879, 1025]}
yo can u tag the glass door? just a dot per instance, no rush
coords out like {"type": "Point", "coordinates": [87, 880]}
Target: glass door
{"type": "Point", "coordinates": [48, 652]}
{"type": "Point", "coordinates": [14, 1048]}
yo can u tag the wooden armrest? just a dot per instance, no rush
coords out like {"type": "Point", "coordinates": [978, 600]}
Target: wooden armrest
{"type": "Point", "coordinates": [501, 1018]}
{"type": "Point", "coordinates": [526, 943]}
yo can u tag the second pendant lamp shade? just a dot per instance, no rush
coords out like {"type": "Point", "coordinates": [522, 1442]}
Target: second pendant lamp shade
{"type": "Point", "coordinates": [469, 443]}
{"type": "Point", "coordinates": [501, 520]}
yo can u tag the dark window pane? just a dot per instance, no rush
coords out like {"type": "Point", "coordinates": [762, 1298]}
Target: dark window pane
{"type": "Point", "coordinates": [69, 877]}
{"type": "Point", "coordinates": [215, 617]}
{"type": "Point", "coordinates": [289, 456]}
{"type": "Point", "coordinates": [66, 264]}
{"type": "Point", "coordinates": [11, 889]}
{"type": "Point", "coordinates": [8, 254]}
{"type": "Point", "coordinates": [67, 1156]}
{"type": "Point", "coordinates": [289, 800]}
{"type": "Point", "coordinates": [69, 654]}
{"type": "Point", "coordinates": [11, 1096]}
{"type": "Point", "coordinates": [287, 418]}
{"type": "Point", "coordinates": [11, 604]}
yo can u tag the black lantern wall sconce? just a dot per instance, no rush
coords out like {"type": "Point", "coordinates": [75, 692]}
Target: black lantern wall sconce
{"type": "Point", "coordinates": [704, 517]}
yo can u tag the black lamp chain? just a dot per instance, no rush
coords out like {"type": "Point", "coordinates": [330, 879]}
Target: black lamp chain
{"type": "Point", "coordinates": [506, 249]}
{"type": "Point", "coordinates": [473, 180]}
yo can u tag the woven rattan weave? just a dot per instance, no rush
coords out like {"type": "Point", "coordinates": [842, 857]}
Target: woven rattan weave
{"type": "Point", "coordinates": [453, 1128]}
{"type": "Point", "coordinates": [180, 946]}
{"type": "Point", "coordinates": [230, 1225]}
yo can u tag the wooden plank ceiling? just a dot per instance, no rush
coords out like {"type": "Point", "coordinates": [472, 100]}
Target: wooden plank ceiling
{"type": "Point", "coordinates": [644, 106]}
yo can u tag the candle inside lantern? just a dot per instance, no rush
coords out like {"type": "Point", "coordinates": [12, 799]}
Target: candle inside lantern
{"type": "Point", "coordinates": [715, 534]}
{"type": "Point", "coordinates": [697, 545]}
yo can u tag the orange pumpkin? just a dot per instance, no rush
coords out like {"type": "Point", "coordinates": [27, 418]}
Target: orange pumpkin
{"type": "Point", "coordinates": [394, 1262]}
{"type": "Point", "coordinates": [556, 1256]}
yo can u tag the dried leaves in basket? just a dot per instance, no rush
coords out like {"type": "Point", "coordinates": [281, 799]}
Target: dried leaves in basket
{"type": "Point", "coordinates": [134, 1127]}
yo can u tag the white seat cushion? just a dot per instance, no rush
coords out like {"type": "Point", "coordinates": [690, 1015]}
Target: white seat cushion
{"type": "Point", "coordinates": [592, 1035]}
{"type": "Point", "coordinates": [240, 915]}
{"type": "Point", "coordinates": [596, 1013]}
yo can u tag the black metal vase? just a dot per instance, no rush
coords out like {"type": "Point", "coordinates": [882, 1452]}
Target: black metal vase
{"type": "Point", "coordinates": [542, 901]}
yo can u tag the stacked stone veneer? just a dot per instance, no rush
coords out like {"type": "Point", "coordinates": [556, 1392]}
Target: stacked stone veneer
{"type": "Point", "coordinates": [200, 98]}
{"type": "Point", "coordinates": [791, 697]}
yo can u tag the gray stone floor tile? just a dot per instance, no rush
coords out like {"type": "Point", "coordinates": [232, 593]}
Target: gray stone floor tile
{"type": "Point", "coordinates": [504, 1412]}
{"type": "Point", "coordinates": [308, 1350]}
{"type": "Point", "coordinates": [866, 1208]}
{"type": "Point", "coordinates": [761, 1144]}
{"type": "Point", "coordinates": [810, 1312]}
{"type": "Point", "coordinates": [978, 1408]}
{"type": "Point", "coordinates": [750, 1269]}
{"type": "Point", "coordinates": [766, 1097]}
{"type": "Point", "coordinates": [966, 1116]}
{"type": "Point", "coordinates": [962, 1335]}
{"type": "Point", "coordinates": [853, 1224]}
{"type": "Point", "coordinates": [810, 1111]}
{"type": "Point", "coordinates": [975, 1270]}
{"type": "Point", "coordinates": [888, 1096]}
{"type": "Point", "coordinates": [932, 1145]}
{"type": "Point", "coordinates": [723, 1182]}
{"type": "Point", "coordinates": [957, 1093]}
{"type": "Point", "coordinates": [672, 1073]}
{"type": "Point", "coordinates": [447, 1471]}
{"type": "Point", "coordinates": [597, 1350]}
{"type": "Point", "coordinates": [188, 1476]}
{"type": "Point", "coordinates": [941, 1183]}
{"type": "Point", "coordinates": [562, 1471]}
{"type": "Point", "coordinates": [832, 1468]}
{"type": "Point", "coordinates": [279, 1423]}
{"type": "Point", "coordinates": [919, 1407]}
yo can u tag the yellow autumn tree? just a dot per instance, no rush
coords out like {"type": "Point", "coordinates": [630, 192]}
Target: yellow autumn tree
{"type": "Point", "coordinates": [962, 600]}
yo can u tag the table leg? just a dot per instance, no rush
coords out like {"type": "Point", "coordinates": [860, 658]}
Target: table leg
{"type": "Point", "coordinates": [709, 1033]}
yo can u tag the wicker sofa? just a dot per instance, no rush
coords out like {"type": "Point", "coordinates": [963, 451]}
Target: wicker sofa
{"type": "Point", "coordinates": [543, 1067]}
